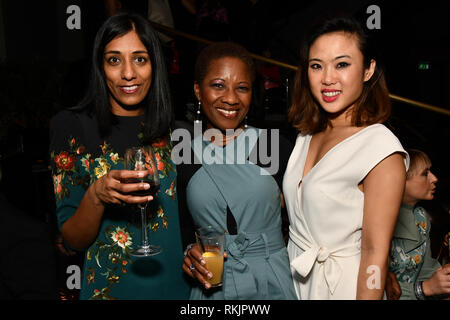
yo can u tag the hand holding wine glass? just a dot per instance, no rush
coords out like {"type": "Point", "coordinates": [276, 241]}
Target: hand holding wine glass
{"type": "Point", "coordinates": [139, 159]}
{"type": "Point", "coordinates": [115, 188]}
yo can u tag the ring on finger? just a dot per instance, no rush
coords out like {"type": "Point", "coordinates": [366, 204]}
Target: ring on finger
{"type": "Point", "coordinates": [191, 267]}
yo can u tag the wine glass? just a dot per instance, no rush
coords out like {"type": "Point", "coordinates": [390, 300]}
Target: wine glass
{"type": "Point", "coordinates": [143, 158]}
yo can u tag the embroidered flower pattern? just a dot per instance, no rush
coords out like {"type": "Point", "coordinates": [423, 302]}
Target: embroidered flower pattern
{"type": "Point", "coordinates": [109, 256]}
{"type": "Point", "coordinates": [172, 190]}
{"type": "Point", "coordinates": [102, 168]}
{"type": "Point", "coordinates": [57, 186]}
{"type": "Point", "coordinates": [121, 238]}
{"type": "Point", "coordinates": [114, 157]}
{"type": "Point", "coordinates": [163, 156]}
{"type": "Point", "coordinates": [65, 161]}
{"type": "Point", "coordinates": [113, 256]}
{"type": "Point", "coordinates": [86, 162]}
{"type": "Point", "coordinates": [162, 216]}
{"type": "Point", "coordinates": [65, 171]}
{"type": "Point", "coordinates": [407, 264]}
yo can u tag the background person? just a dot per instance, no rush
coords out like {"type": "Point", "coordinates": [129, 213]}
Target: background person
{"type": "Point", "coordinates": [419, 275]}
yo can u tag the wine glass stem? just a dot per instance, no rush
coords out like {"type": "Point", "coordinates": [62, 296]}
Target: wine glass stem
{"type": "Point", "coordinates": [144, 231]}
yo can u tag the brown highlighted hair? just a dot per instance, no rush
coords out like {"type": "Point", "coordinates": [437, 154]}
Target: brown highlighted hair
{"type": "Point", "coordinates": [373, 106]}
{"type": "Point", "coordinates": [416, 157]}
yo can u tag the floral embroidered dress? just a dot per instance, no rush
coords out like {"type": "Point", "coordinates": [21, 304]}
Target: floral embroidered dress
{"type": "Point", "coordinates": [79, 157]}
{"type": "Point", "coordinates": [410, 253]}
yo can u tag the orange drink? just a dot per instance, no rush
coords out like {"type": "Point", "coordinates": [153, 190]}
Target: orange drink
{"type": "Point", "coordinates": [211, 241]}
{"type": "Point", "coordinates": [214, 263]}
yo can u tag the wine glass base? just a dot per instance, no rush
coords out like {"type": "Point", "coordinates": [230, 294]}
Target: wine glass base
{"type": "Point", "coordinates": [147, 251]}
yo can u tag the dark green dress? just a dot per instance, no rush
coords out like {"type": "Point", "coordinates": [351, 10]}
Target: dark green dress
{"type": "Point", "coordinates": [79, 157]}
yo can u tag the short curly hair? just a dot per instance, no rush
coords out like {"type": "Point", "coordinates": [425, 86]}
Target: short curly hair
{"type": "Point", "coordinates": [221, 50]}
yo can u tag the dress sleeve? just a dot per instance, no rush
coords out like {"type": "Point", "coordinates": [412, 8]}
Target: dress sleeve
{"type": "Point", "coordinates": [379, 143]}
{"type": "Point", "coordinates": [407, 291]}
{"type": "Point", "coordinates": [70, 165]}
{"type": "Point", "coordinates": [430, 265]}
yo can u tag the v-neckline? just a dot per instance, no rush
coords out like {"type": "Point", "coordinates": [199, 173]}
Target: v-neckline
{"type": "Point", "coordinates": [304, 176]}
{"type": "Point", "coordinates": [235, 141]}
{"type": "Point", "coordinates": [235, 144]}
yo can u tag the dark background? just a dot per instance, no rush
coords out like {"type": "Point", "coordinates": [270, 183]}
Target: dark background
{"type": "Point", "coordinates": [44, 66]}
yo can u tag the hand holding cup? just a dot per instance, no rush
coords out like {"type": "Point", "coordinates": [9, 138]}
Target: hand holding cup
{"type": "Point", "coordinates": [204, 260]}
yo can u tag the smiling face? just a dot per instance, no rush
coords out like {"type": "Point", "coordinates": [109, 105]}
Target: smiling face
{"type": "Point", "coordinates": [128, 72]}
{"type": "Point", "coordinates": [225, 93]}
{"type": "Point", "coordinates": [420, 185]}
{"type": "Point", "coordinates": [336, 73]}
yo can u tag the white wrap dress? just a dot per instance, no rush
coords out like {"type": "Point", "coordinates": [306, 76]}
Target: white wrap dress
{"type": "Point", "coordinates": [326, 211]}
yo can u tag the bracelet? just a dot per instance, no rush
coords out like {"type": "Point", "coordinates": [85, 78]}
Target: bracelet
{"type": "Point", "coordinates": [188, 247]}
{"type": "Point", "coordinates": [418, 290]}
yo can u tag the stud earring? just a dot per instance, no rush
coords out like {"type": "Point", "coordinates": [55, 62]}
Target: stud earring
{"type": "Point", "coordinates": [245, 123]}
{"type": "Point", "coordinates": [198, 113]}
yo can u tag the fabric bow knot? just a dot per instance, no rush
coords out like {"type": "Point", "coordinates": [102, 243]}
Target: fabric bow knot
{"type": "Point", "coordinates": [328, 267]}
{"type": "Point", "coordinates": [323, 254]}
{"type": "Point", "coordinates": [244, 280]}
{"type": "Point", "coordinates": [238, 247]}
{"type": "Point", "coordinates": [332, 271]}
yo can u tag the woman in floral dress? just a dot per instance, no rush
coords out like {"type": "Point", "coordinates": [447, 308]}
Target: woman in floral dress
{"type": "Point", "coordinates": [127, 104]}
{"type": "Point", "coordinates": [418, 274]}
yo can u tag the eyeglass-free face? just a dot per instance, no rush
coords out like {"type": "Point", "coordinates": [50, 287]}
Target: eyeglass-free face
{"type": "Point", "coordinates": [225, 93]}
{"type": "Point", "coordinates": [128, 72]}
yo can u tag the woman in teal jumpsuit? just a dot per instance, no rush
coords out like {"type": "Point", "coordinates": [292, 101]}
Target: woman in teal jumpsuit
{"type": "Point", "coordinates": [229, 185]}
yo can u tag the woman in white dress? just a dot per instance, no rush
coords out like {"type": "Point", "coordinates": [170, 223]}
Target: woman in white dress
{"type": "Point", "coordinates": [345, 178]}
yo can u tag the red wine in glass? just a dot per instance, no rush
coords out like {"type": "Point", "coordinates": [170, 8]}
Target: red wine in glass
{"type": "Point", "coordinates": [152, 191]}
{"type": "Point", "coordinates": [143, 158]}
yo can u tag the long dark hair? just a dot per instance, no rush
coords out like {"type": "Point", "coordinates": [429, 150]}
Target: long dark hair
{"type": "Point", "coordinates": [158, 115]}
{"type": "Point", "coordinates": [373, 106]}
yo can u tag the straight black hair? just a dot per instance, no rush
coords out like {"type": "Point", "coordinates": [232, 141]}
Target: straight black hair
{"type": "Point", "coordinates": [158, 114]}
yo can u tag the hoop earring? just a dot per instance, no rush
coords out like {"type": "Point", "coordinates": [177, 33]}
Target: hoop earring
{"type": "Point", "coordinates": [198, 113]}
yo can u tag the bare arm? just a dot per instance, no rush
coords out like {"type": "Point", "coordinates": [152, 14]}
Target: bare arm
{"type": "Point", "coordinates": [383, 191]}
{"type": "Point", "coordinates": [81, 229]}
